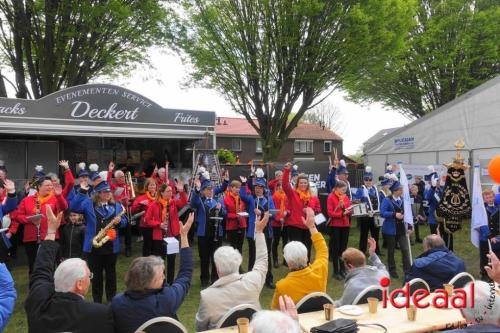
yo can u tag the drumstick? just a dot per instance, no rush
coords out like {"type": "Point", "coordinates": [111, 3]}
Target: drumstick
{"type": "Point", "coordinates": [489, 245]}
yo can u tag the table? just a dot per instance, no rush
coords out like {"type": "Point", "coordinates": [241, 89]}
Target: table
{"type": "Point", "coordinates": [394, 319]}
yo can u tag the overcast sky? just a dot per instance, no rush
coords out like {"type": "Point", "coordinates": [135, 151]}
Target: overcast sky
{"type": "Point", "coordinates": [165, 85]}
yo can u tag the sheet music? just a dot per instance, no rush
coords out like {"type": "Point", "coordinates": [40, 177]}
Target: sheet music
{"type": "Point", "coordinates": [172, 245]}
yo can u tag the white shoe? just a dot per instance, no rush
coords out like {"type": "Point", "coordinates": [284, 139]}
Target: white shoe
{"type": "Point", "coordinates": [139, 239]}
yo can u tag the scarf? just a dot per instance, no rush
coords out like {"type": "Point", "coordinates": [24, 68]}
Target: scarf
{"type": "Point", "coordinates": [165, 204]}
{"type": "Point", "coordinates": [150, 197]}
{"type": "Point", "coordinates": [304, 196]}
{"type": "Point", "coordinates": [236, 199]}
{"type": "Point", "coordinates": [280, 194]}
{"type": "Point", "coordinates": [40, 201]}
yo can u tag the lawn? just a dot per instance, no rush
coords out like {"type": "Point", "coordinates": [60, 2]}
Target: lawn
{"type": "Point", "coordinates": [463, 248]}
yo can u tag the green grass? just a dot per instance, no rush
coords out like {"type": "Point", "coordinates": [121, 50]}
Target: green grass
{"type": "Point", "coordinates": [463, 248]}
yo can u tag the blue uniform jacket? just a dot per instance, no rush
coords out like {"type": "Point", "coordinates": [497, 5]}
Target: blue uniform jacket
{"type": "Point", "coordinates": [331, 179]}
{"type": "Point", "coordinates": [388, 212]}
{"type": "Point", "coordinates": [433, 202]}
{"type": "Point", "coordinates": [436, 267]}
{"type": "Point", "coordinates": [372, 192]}
{"type": "Point", "coordinates": [9, 206]}
{"type": "Point", "coordinates": [484, 230]}
{"type": "Point", "coordinates": [253, 202]}
{"type": "Point", "coordinates": [200, 215]}
{"type": "Point", "coordinates": [7, 297]}
{"type": "Point", "coordinates": [132, 308]}
{"type": "Point", "coordinates": [82, 204]}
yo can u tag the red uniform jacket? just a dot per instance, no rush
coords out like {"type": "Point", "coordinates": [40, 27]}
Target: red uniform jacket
{"type": "Point", "coordinates": [336, 212]}
{"type": "Point", "coordinates": [232, 217]}
{"type": "Point", "coordinates": [277, 204]}
{"type": "Point", "coordinates": [294, 203]}
{"type": "Point", "coordinates": [138, 207]}
{"type": "Point", "coordinates": [69, 183]}
{"type": "Point", "coordinates": [27, 208]}
{"type": "Point", "coordinates": [160, 180]}
{"type": "Point", "coordinates": [153, 217]}
{"type": "Point", "coordinates": [272, 185]}
{"type": "Point", "coordinates": [126, 194]}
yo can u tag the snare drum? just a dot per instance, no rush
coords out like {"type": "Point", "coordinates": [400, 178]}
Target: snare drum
{"type": "Point", "coordinates": [359, 210]}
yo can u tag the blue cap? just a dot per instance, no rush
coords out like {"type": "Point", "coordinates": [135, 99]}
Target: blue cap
{"type": "Point", "coordinates": [102, 187]}
{"type": "Point", "coordinates": [94, 175]}
{"type": "Point", "coordinates": [342, 167]}
{"type": "Point", "coordinates": [368, 175]}
{"type": "Point", "coordinates": [386, 181]}
{"type": "Point", "coordinates": [83, 173]}
{"type": "Point", "coordinates": [295, 170]}
{"type": "Point", "coordinates": [395, 186]}
{"type": "Point", "coordinates": [206, 183]}
{"type": "Point", "coordinates": [260, 182]}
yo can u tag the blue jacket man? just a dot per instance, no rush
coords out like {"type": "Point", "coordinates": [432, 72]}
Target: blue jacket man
{"type": "Point", "coordinates": [7, 296]}
{"type": "Point", "coordinates": [433, 197]}
{"type": "Point", "coordinates": [437, 265]}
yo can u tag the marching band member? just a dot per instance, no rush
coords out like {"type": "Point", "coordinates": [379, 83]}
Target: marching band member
{"type": "Point", "coordinates": [278, 176]}
{"type": "Point", "coordinates": [257, 203]}
{"type": "Point", "coordinates": [433, 196]}
{"type": "Point", "coordinates": [417, 210]}
{"type": "Point", "coordinates": [31, 213]}
{"type": "Point", "coordinates": [122, 193]}
{"type": "Point", "coordinates": [394, 229]}
{"type": "Point", "coordinates": [162, 216]}
{"type": "Point", "coordinates": [490, 233]}
{"type": "Point", "coordinates": [8, 191]}
{"type": "Point", "coordinates": [69, 180]}
{"type": "Point", "coordinates": [161, 177]}
{"type": "Point", "coordinates": [83, 180]}
{"type": "Point", "coordinates": [298, 199]}
{"type": "Point", "coordinates": [102, 215]}
{"type": "Point", "coordinates": [339, 211]}
{"type": "Point", "coordinates": [235, 223]}
{"type": "Point", "coordinates": [209, 210]}
{"type": "Point", "coordinates": [278, 224]}
{"type": "Point", "coordinates": [369, 196]}
{"type": "Point", "coordinates": [141, 204]}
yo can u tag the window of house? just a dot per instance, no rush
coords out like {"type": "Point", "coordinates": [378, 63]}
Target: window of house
{"type": "Point", "coordinates": [327, 146]}
{"type": "Point", "coordinates": [303, 146]}
{"type": "Point", "coordinates": [258, 146]}
{"type": "Point", "coordinates": [236, 144]}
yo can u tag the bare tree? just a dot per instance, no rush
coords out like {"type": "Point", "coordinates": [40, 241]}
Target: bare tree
{"type": "Point", "coordinates": [325, 114]}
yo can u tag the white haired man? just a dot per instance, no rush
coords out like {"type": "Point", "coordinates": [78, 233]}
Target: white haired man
{"type": "Point", "coordinates": [303, 279]}
{"type": "Point", "coordinates": [232, 288]}
{"type": "Point", "coordinates": [56, 300]}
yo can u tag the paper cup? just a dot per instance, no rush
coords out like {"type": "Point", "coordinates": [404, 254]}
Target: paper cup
{"type": "Point", "coordinates": [328, 311]}
{"type": "Point", "coordinates": [372, 304]}
{"type": "Point", "coordinates": [448, 288]}
{"type": "Point", "coordinates": [243, 325]}
{"type": "Point", "coordinates": [411, 313]}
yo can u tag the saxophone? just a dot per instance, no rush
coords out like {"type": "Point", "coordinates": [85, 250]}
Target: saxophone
{"type": "Point", "coordinates": [101, 238]}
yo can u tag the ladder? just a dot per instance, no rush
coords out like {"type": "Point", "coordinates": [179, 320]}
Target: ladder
{"type": "Point", "coordinates": [209, 160]}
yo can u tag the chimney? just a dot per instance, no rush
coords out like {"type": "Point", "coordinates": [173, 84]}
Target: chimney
{"type": "Point", "coordinates": [218, 120]}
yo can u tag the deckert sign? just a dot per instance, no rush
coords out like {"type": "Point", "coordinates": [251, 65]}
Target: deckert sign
{"type": "Point", "coordinates": [100, 109]}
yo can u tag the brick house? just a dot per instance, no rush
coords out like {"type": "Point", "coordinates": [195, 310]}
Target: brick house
{"type": "Point", "coordinates": [306, 142]}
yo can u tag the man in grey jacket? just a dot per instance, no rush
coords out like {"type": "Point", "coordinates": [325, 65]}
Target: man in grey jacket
{"type": "Point", "coordinates": [232, 288]}
{"type": "Point", "coordinates": [359, 274]}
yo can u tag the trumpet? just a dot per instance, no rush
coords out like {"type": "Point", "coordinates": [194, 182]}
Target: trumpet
{"type": "Point", "coordinates": [101, 238]}
{"type": "Point", "coordinates": [130, 184]}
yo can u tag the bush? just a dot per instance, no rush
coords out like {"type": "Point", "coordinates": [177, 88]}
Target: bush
{"type": "Point", "coordinates": [226, 156]}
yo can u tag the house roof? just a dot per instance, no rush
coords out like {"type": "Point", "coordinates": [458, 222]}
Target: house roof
{"type": "Point", "coordinates": [227, 126]}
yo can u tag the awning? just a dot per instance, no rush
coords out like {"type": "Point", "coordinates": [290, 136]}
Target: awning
{"type": "Point", "coordinates": [101, 110]}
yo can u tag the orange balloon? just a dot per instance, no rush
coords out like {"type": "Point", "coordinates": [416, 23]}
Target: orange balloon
{"type": "Point", "coordinates": [494, 169]}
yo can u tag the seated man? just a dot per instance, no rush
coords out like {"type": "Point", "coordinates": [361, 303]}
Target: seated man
{"type": "Point", "coordinates": [56, 300]}
{"type": "Point", "coordinates": [359, 274]}
{"type": "Point", "coordinates": [437, 265]}
{"type": "Point", "coordinates": [485, 315]}
{"type": "Point", "coordinates": [7, 296]}
{"type": "Point", "coordinates": [303, 279]}
{"type": "Point", "coordinates": [148, 295]}
{"type": "Point", "coordinates": [232, 288]}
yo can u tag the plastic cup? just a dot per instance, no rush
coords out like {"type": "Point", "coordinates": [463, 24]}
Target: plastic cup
{"type": "Point", "coordinates": [411, 313]}
{"type": "Point", "coordinates": [372, 304]}
{"type": "Point", "coordinates": [448, 288]}
{"type": "Point", "coordinates": [328, 311]}
{"type": "Point", "coordinates": [243, 325]}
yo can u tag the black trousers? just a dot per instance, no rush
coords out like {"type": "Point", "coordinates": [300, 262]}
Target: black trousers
{"type": "Point", "coordinates": [391, 247]}
{"type": "Point", "coordinates": [300, 235]}
{"type": "Point", "coordinates": [206, 249]}
{"type": "Point", "coordinates": [236, 238]}
{"type": "Point", "coordinates": [99, 264]}
{"type": "Point", "coordinates": [127, 233]}
{"type": "Point", "coordinates": [433, 228]}
{"type": "Point", "coordinates": [252, 254]}
{"type": "Point", "coordinates": [279, 233]}
{"type": "Point", "coordinates": [31, 250]}
{"type": "Point", "coordinates": [366, 224]}
{"type": "Point", "coordinates": [339, 236]}
{"type": "Point", "coordinates": [160, 250]}
{"type": "Point", "coordinates": [147, 241]}
{"type": "Point", "coordinates": [448, 238]}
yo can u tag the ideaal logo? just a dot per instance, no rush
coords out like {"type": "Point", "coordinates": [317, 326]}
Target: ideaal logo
{"type": "Point", "coordinates": [460, 299]}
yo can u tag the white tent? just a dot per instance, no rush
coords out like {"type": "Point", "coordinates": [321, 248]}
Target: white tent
{"type": "Point", "coordinates": [473, 117]}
